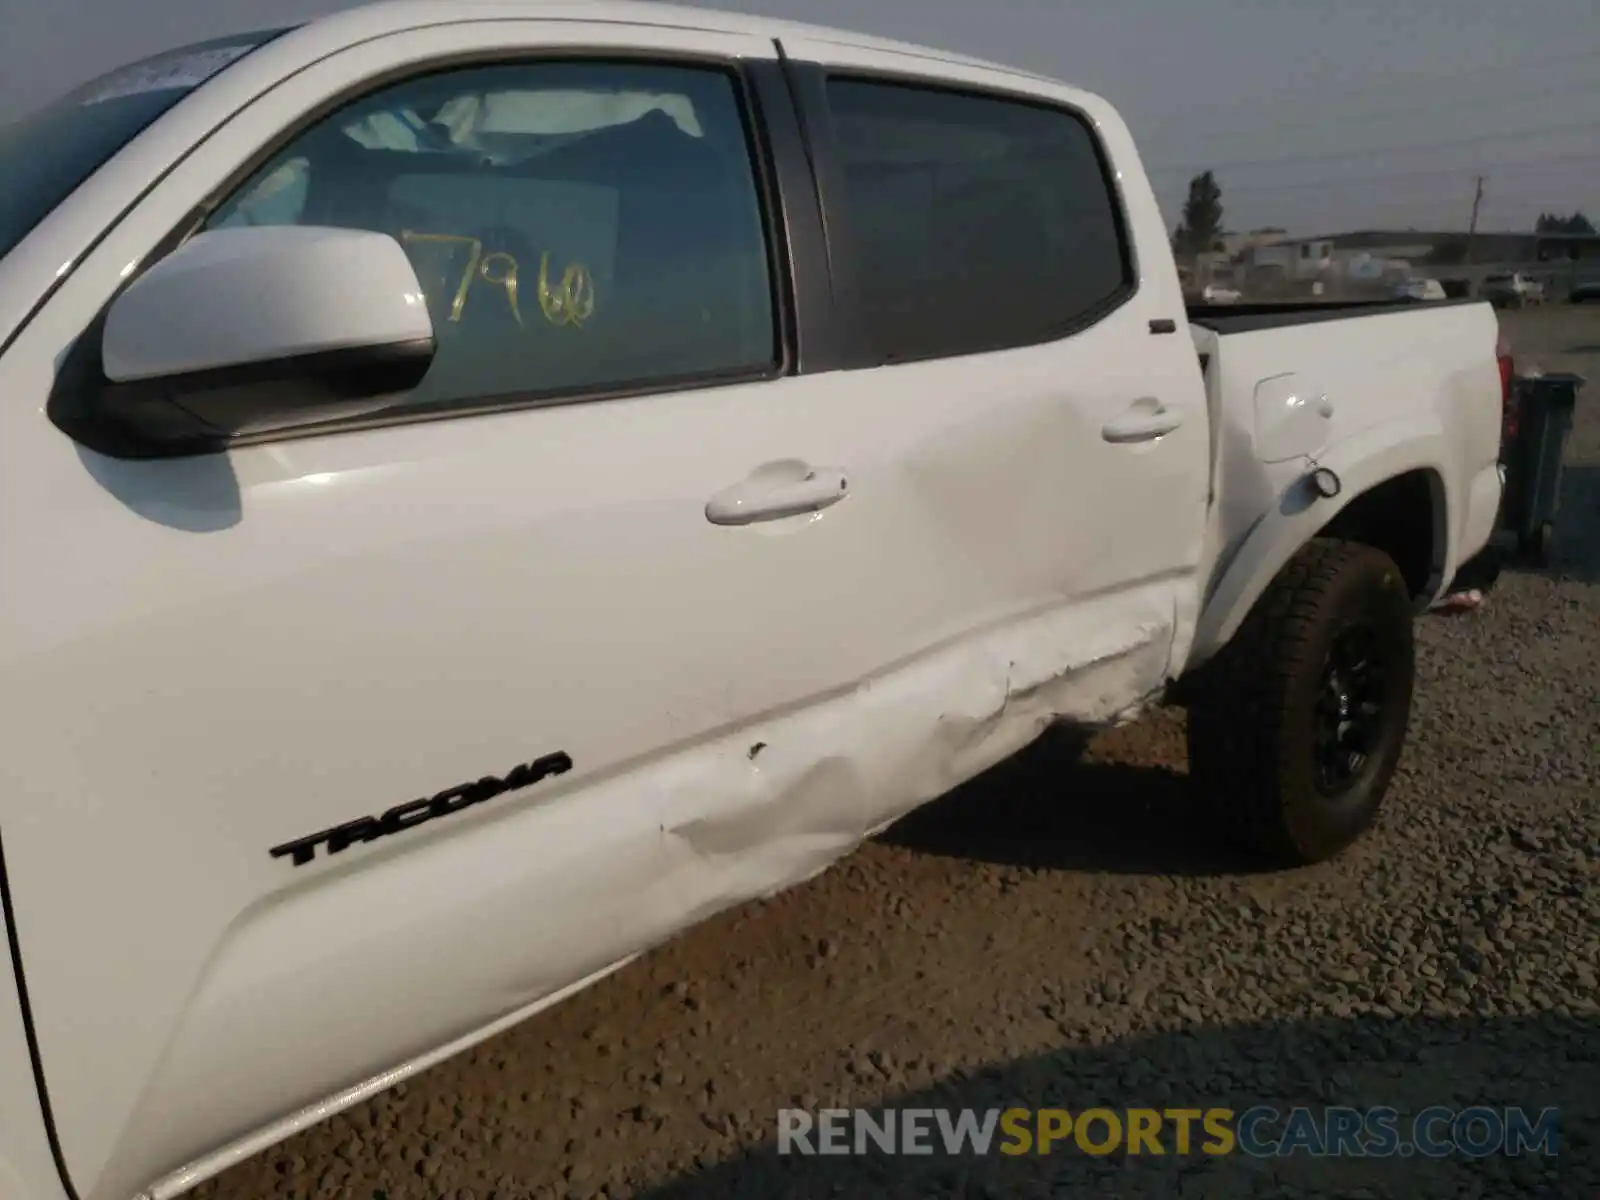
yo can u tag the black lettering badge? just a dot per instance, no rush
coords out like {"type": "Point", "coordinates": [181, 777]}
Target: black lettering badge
{"type": "Point", "coordinates": [414, 812]}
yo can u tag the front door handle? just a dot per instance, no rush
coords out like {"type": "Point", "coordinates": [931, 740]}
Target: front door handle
{"type": "Point", "coordinates": [786, 488]}
{"type": "Point", "coordinates": [1145, 420]}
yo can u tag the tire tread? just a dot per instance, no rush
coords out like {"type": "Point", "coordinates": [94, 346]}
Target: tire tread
{"type": "Point", "coordinates": [1236, 743]}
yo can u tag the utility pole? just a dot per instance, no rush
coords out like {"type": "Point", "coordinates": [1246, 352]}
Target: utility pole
{"type": "Point", "coordinates": [1472, 225]}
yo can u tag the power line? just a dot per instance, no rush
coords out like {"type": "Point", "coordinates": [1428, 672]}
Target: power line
{"type": "Point", "coordinates": [1440, 144]}
{"type": "Point", "coordinates": [1438, 207]}
{"type": "Point", "coordinates": [1371, 80]}
{"type": "Point", "coordinates": [1565, 95]}
{"type": "Point", "coordinates": [1438, 214]}
{"type": "Point", "coordinates": [1339, 181]}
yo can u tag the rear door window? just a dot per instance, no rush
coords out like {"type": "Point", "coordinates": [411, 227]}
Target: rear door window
{"type": "Point", "coordinates": [970, 222]}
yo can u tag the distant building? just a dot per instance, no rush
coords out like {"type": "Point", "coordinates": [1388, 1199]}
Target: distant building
{"type": "Point", "coordinates": [1309, 256]}
{"type": "Point", "coordinates": [1236, 245]}
{"type": "Point", "coordinates": [1226, 265]}
{"type": "Point", "coordinates": [1380, 256]}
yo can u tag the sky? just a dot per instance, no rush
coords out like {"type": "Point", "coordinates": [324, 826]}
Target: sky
{"type": "Point", "coordinates": [1318, 116]}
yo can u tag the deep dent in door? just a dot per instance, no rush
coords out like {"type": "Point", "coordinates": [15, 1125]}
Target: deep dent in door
{"type": "Point", "coordinates": [605, 868]}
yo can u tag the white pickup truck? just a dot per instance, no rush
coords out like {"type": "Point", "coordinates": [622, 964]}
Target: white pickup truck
{"type": "Point", "coordinates": [487, 485]}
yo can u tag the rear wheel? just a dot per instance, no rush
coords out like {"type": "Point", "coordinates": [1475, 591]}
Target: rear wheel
{"type": "Point", "coordinates": [1299, 721]}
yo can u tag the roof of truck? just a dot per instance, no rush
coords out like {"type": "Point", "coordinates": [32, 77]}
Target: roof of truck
{"type": "Point", "coordinates": [387, 16]}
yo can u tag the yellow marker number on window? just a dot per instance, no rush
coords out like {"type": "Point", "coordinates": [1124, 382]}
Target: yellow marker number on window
{"type": "Point", "coordinates": [570, 301]}
{"type": "Point", "coordinates": [475, 255]}
{"type": "Point", "coordinates": [507, 279]}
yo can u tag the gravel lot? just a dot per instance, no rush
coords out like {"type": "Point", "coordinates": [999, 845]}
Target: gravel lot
{"type": "Point", "coordinates": [1063, 932]}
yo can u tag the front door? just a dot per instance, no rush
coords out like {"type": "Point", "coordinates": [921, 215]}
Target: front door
{"type": "Point", "coordinates": [509, 630]}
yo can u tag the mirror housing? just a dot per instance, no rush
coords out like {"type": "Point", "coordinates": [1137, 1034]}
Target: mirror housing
{"type": "Point", "coordinates": [250, 331]}
{"type": "Point", "coordinates": [1292, 419]}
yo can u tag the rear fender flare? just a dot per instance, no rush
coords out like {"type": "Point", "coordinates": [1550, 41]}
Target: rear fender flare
{"type": "Point", "coordinates": [1362, 462]}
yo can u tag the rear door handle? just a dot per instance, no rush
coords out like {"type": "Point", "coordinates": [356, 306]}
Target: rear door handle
{"type": "Point", "coordinates": [775, 490]}
{"type": "Point", "coordinates": [1145, 420]}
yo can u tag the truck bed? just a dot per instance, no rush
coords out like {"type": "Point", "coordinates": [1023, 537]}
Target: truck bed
{"type": "Point", "coordinates": [1438, 365]}
{"type": "Point", "coordinates": [1244, 318]}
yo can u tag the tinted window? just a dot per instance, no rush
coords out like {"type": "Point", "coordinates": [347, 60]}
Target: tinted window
{"type": "Point", "coordinates": [47, 154]}
{"type": "Point", "coordinates": [970, 223]}
{"type": "Point", "coordinates": [575, 226]}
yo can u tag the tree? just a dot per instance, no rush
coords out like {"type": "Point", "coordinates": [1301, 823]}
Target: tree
{"type": "Point", "coordinates": [1554, 223]}
{"type": "Point", "coordinates": [1201, 228]}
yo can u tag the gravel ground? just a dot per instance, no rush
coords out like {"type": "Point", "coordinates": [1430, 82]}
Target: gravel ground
{"type": "Point", "coordinates": [1063, 932]}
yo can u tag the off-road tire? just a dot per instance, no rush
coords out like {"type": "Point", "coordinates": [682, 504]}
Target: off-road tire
{"type": "Point", "coordinates": [1252, 721]}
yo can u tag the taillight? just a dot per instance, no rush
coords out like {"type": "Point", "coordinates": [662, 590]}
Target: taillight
{"type": "Point", "coordinates": [1508, 407]}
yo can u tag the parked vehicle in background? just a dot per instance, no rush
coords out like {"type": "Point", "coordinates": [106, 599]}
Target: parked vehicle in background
{"type": "Point", "coordinates": [1220, 293]}
{"type": "Point", "coordinates": [468, 517]}
{"type": "Point", "coordinates": [1512, 291]}
{"type": "Point", "coordinates": [1585, 291]}
{"type": "Point", "coordinates": [1419, 289]}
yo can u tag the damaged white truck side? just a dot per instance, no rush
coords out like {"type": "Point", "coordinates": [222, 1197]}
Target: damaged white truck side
{"type": "Point", "coordinates": [486, 486]}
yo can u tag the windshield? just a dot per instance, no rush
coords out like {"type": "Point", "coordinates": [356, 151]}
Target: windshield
{"type": "Point", "coordinates": [45, 155]}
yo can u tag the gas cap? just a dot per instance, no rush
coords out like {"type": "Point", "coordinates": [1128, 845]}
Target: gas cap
{"type": "Point", "coordinates": [1292, 418]}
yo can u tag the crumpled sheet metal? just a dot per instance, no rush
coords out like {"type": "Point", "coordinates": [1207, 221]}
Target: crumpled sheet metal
{"type": "Point", "coordinates": [772, 813]}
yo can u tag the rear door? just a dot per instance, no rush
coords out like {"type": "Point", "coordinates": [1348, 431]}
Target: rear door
{"type": "Point", "coordinates": [986, 234]}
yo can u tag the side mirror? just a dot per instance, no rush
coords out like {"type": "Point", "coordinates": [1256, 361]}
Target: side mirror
{"type": "Point", "coordinates": [255, 330]}
{"type": "Point", "coordinates": [1292, 419]}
